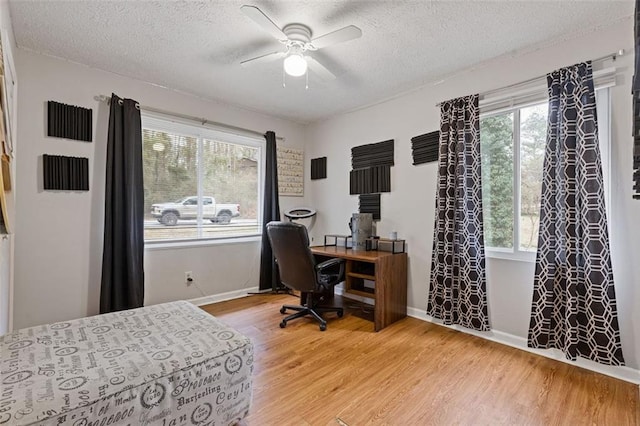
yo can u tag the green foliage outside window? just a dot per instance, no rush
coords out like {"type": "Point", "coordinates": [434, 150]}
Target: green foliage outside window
{"type": "Point", "coordinates": [533, 133]}
{"type": "Point", "coordinates": [496, 145]}
{"type": "Point", "coordinates": [499, 176]}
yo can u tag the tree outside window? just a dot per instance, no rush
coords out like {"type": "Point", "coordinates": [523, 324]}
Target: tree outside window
{"type": "Point", "coordinates": [512, 148]}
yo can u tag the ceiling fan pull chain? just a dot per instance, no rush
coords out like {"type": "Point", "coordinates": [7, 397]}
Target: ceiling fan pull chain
{"type": "Point", "coordinates": [306, 87]}
{"type": "Point", "coordinates": [284, 83]}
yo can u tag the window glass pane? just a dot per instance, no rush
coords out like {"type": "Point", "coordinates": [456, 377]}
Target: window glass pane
{"type": "Point", "coordinates": [496, 136]}
{"type": "Point", "coordinates": [533, 133]}
{"type": "Point", "coordinates": [230, 176]}
{"type": "Point", "coordinates": [199, 187]}
{"type": "Point", "coordinates": [170, 183]}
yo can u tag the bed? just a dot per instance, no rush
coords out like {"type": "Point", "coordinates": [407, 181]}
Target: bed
{"type": "Point", "coordinates": [168, 364]}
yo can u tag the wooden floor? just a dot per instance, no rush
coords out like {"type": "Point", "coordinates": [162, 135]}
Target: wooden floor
{"type": "Point", "coordinates": [411, 373]}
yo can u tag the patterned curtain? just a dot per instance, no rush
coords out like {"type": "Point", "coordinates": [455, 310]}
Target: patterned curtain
{"type": "Point", "coordinates": [458, 282]}
{"type": "Point", "coordinates": [574, 304]}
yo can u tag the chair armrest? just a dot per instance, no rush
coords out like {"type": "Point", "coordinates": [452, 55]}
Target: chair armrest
{"type": "Point", "coordinates": [328, 263]}
{"type": "Point", "coordinates": [326, 281]}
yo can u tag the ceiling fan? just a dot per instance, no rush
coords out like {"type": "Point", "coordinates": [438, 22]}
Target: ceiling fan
{"type": "Point", "coordinates": [297, 42]}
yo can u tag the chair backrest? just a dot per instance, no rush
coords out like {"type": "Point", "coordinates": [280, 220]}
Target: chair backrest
{"type": "Point", "coordinates": [290, 245]}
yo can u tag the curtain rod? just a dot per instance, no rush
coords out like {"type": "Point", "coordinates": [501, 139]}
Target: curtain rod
{"type": "Point", "coordinates": [203, 121]}
{"type": "Point", "coordinates": [612, 56]}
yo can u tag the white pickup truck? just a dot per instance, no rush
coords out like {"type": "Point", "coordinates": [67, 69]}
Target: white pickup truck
{"type": "Point", "coordinates": [187, 208]}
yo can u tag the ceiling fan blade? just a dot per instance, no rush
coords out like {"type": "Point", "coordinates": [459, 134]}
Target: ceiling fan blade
{"type": "Point", "coordinates": [319, 69]}
{"type": "Point", "coordinates": [338, 36]}
{"type": "Point", "coordinates": [267, 57]}
{"type": "Point", "coordinates": [263, 20]}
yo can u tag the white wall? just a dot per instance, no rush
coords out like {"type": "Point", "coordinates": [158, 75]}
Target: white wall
{"type": "Point", "coordinates": [409, 207]}
{"type": "Point", "coordinates": [6, 241]}
{"type": "Point", "coordinates": [59, 234]}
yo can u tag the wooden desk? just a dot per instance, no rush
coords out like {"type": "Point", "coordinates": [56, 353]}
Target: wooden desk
{"type": "Point", "coordinates": [387, 270]}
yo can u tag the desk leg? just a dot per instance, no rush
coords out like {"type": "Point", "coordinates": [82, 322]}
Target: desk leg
{"type": "Point", "coordinates": [391, 290]}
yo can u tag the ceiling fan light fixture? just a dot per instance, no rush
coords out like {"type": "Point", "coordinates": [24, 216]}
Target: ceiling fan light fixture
{"type": "Point", "coordinates": [296, 38]}
{"type": "Point", "coordinates": [295, 64]}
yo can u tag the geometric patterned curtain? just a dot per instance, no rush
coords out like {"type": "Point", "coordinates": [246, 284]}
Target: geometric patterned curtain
{"type": "Point", "coordinates": [458, 293]}
{"type": "Point", "coordinates": [574, 303]}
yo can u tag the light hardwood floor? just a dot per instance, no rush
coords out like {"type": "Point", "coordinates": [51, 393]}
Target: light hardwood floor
{"type": "Point", "coordinates": [410, 373]}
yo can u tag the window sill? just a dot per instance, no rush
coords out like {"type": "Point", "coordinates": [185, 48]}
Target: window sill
{"type": "Point", "coordinates": [186, 244]}
{"type": "Point", "coordinates": [519, 256]}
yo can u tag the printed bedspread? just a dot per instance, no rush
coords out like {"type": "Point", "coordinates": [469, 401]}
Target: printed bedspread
{"type": "Point", "coordinates": [170, 365]}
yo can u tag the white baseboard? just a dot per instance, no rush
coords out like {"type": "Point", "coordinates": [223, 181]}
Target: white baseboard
{"type": "Point", "coordinates": [221, 297]}
{"type": "Point", "coordinates": [623, 373]}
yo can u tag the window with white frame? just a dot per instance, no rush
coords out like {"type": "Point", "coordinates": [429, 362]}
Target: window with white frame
{"type": "Point", "coordinates": [199, 183]}
{"type": "Point", "coordinates": [513, 142]}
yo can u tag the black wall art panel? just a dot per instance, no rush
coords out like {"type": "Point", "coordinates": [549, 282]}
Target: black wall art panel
{"type": "Point", "coordinates": [68, 121]}
{"type": "Point", "coordinates": [425, 147]}
{"type": "Point", "coordinates": [318, 168]}
{"type": "Point", "coordinates": [370, 181]}
{"type": "Point", "coordinates": [381, 179]}
{"type": "Point", "coordinates": [65, 173]}
{"type": "Point", "coordinates": [359, 181]}
{"type": "Point", "coordinates": [374, 154]}
{"type": "Point", "coordinates": [370, 203]}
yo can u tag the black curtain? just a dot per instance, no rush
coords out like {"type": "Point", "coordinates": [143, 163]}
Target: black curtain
{"type": "Point", "coordinates": [122, 258]}
{"type": "Point", "coordinates": [574, 301]}
{"type": "Point", "coordinates": [270, 211]}
{"type": "Point", "coordinates": [458, 292]}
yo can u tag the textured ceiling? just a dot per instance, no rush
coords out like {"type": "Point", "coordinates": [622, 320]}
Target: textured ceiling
{"type": "Point", "coordinates": [196, 46]}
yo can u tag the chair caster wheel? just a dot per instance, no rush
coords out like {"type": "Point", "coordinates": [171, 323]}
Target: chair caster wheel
{"type": "Point", "coordinates": [283, 324]}
{"type": "Point", "coordinates": [340, 313]}
{"type": "Point", "coordinates": [323, 327]}
{"type": "Point", "coordinates": [283, 310]}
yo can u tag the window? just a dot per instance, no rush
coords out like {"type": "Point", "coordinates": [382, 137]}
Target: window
{"type": "Point", "coordinates": [512, 143]}
{"type": "Point", "coordinates": [199, 183]}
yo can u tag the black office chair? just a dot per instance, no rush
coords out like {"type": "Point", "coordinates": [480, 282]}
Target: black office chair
{"type": "Point", "coordinates": [299, 271]}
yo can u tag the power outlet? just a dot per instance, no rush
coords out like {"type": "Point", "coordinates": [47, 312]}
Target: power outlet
{"type": "Point", "coordinates": [188, 278]}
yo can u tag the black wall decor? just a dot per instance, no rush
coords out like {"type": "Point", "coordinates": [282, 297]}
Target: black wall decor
{"type": "Point", "coordinates": [68, 121]}
{"type": "Point", "coordinates": [318, 168]}
{"type": "Point", "coordinates": [359, 181]}
{"type": "Point", "coordinates": [373, 154]}
{"type": "Point", "coordinates": [370, 203]}
{"type": "Point", "coordinates": [425, 147]}
{"type": "Point", "coordinates": [370, 181]}
{"type": "Point", "coordinates": [65, 173]}
{"type": "Point", "coordinates": [371, 174]}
